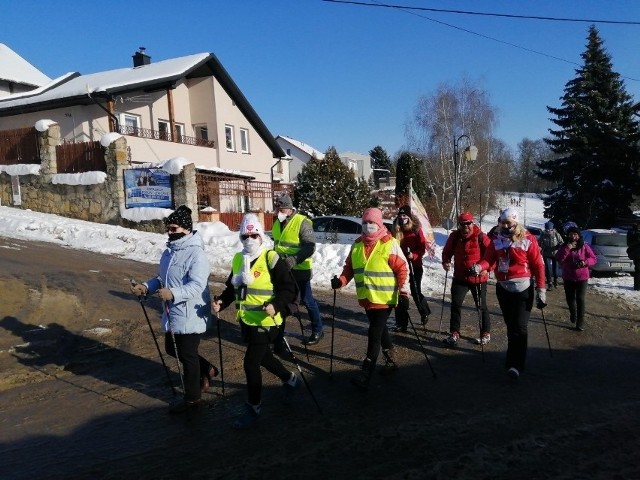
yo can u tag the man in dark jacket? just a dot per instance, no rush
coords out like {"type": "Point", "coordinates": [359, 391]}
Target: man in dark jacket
{"type": "Point", "coordinates": [550, 240]}
{"type": "Point", "coordinates": [633, 250]}
{"type": "Point", "coordinates": [465, 246]}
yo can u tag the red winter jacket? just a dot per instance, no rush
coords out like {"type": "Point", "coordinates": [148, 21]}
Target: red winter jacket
{"type": "Point", "coordinates": [523, 258]}
{"type": "Point", "coordinates": [466, 252]}
{"type": "Point", "coordinates": [415, 241]}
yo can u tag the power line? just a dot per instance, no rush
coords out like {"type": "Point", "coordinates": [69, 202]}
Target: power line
{"type": "Point", "coordinates": [485, 14]}
{"type": "Point", "coordinates": [411, 11]}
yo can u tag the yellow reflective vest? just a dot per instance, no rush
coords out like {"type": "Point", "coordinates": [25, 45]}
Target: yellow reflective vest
{"type": "Point", "coordinates": [375, 281]}
{"type": "Point", "coordinates": [287, 241]}
{"type": "Point", "coordinates": [250, 310]}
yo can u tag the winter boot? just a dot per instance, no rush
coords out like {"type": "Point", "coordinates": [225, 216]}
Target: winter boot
{"type": "Point", "coordinates": [289, 389]}
{"type": "Point", "coordinates": [390, 364]}
{"type": "Point", "coordinates": [361, 381]}
{"type": "Point", "coordinates": [249, 417]}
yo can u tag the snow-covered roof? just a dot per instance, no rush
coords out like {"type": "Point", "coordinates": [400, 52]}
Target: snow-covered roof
{"type": "Point", "coordinates": [303, 146]}
{"type": "Point", "coordinates": [15, 69]}
{"type": "Point", "coordinates": [354, 156]}
{"type": "Point", "coordinates": [109, 81]}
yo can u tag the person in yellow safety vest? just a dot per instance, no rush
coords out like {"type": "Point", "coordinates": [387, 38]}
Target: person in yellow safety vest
{"type": "Point", "coordinates": [294, 241]}
{"type": "Point", "coordinates": [381, 273]}
{"type": "Point", "coordinates": [261, 286]}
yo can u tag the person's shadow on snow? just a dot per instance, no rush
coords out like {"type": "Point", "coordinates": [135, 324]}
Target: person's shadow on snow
{"type": "Point", "coordinates": [53, 345]}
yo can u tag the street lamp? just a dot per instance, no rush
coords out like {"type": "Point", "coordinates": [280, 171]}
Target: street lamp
{"type": "Point", "coordinates": [470, 153]}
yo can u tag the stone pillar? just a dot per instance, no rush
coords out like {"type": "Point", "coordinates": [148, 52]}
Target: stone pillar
{"type": "Point", "coordinates": [47, 141]}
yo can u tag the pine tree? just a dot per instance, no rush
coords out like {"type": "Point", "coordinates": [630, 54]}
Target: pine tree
{"type": "Point", "coordinates": [596, 169]}
{"type": "Point", "coordinates": [410, 170]}
{"type": "Point", "coordinates": [381, 161]}
{"type": "Point", "coordinates": [329, 187]}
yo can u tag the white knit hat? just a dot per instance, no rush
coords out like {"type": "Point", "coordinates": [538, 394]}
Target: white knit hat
{"type": "Point", "coordinates": [509, 214]}
{"type": "Point", "coordinates": [251, 224]}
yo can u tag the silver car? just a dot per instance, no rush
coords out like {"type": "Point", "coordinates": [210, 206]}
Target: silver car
{"type": "Point", "coordinates": [610, 246]}
{"type": "Point", "coordinates": [339, 228]}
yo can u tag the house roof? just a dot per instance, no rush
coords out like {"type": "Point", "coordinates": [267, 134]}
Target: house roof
{"type": "Point", "coordinates": [76, 89]}
{"type": "Point", "coordinates": [15, 69]}
{"type": "Point", "coordinates": [309, 150]}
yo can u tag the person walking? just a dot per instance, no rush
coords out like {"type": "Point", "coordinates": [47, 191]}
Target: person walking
{"type": "Point", "coordinates": [381, 273]}
{"type": "Point", "coordinates": [182, 284]}
{"type": "Point", "coordinates": [261, 285]}
{"type": "Point", "coordinates": [407, 230]}
{"type": "Point", "coordinates": [633, 251]}
{"type": "Point", "coordinates": [575, 258]}
{"type": "Point", "coordinates": [294, 241]}
{"type": "Point", "coordinates": [466, 246]}
{"type": "Point", "coordinates": [516, 256]}
{"type": "Point", "coordinates": [550, 240]}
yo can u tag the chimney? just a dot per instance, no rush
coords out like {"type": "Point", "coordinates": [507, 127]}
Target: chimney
{"type": "Point", "coordinates": [140, 58]}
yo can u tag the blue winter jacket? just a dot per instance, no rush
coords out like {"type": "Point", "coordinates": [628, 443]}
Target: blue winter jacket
{"type": "Point", "coordinates": [184, 269]}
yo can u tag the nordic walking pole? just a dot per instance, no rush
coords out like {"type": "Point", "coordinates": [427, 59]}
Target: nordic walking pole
{"type": "Point", "coordinates": [444, 292]}
{"type": "Point", "coordinates": [304, 379]}
{"type": "Point", "coordinates": [293, 307]}
{"type": "Point", "coordinates": [476, 299]}
{"type": "Point", "coordinates": [541, 307]}
{"type": "Point", "coordinates": [215, 299]}
{"type": "Point", "coordinates": [333, 323]}
{"type": "Point", "coordinates": [422, 347]}
{"type": "Point", "coordinates": [175, 349]}
{"type": "Point", "coordinates": [155, 340]}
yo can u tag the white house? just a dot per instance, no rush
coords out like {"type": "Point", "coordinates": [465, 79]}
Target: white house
{"type": "Point", "coordinates": [297, 153]}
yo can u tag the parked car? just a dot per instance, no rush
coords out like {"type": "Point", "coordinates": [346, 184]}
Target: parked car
{"type": "Point", "coordinates": [535, 231]}
{"type": "Point", "coordinates": [339, 228]}
{"type": "Point", "coordinates": [610, 246]}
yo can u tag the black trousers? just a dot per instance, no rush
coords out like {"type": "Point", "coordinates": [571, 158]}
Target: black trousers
{"type": "Point", "coordinates": [402, 310]}
{"type": "Point", "coordinates": [516, 310]}
{"type": "Point", "coordinates": [378, 335]}
{"type": "Point", "coordinates": [636, 273]}
{"type": "Point", "coordinates": [194, 367]}
{"type": "Point", "coordinates": [459, 290]}
{"type": "Point", "coordinates": [575, 293]}
{"type": "Point", "coordinates": [259, 354]}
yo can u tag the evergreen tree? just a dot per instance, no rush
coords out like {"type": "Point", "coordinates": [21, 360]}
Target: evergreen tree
{"type": "Point", "coordinates": [410, 169]}
{"type": "Point", "coordinates": [380, 161]}
{"type": "Point", "coordinates": [329, 187]}
{"type": "Point", "coordinates": [595, 173]}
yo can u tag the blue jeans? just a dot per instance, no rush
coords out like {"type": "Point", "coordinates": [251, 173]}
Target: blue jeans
{"type": "Point", "coordinates": [551, 270]}
{"type": "Point", "coordinates": [306, 299]}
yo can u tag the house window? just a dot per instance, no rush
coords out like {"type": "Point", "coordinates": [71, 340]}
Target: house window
{"type": "Point", "coordinates": [163, 130]}
{"type": "Point", "coordinates": [244, 140]}
{"type": "Point", "coordinates": [180, 132]}
{"type": "Point", "coordinates": [131, 123]}
{"type": "Point", "coordinates": [202, 132]}
{"type": "Point", "coordinates": [230, 141]}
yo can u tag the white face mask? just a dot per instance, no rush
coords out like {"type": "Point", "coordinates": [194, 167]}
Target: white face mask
{"type": "Point", "coordinates": [251, 245]}
{"type": "Point", "coordinates": [370, 228]}
{"type": "Point", "coordinates": [282, 216]}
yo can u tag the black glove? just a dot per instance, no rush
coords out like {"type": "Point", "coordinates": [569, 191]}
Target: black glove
{"type": "Point", "coordinates": [336, 283]}
{"type": "Point", "coordinates": [580, 263]}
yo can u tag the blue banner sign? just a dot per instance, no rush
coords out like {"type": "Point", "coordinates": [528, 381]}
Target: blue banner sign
{"type": "Point", "coordinates": [145, 187]}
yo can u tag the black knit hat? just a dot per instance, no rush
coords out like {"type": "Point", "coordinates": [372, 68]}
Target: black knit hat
{"type": "Point", "coordinates": [181, 217]}
{"type": "Point", "coordinates": [405, 210]}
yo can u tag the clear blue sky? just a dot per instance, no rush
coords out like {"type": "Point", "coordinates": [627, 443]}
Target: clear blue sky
{"type": "Point", "coordinates": [339, 74]}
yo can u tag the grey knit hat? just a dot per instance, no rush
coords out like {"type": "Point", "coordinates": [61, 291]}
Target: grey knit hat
{"type": "Point", "coordinates": [284, 201]}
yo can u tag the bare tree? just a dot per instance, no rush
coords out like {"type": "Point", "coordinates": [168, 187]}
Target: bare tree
{"type": "Point", "coordinates": [459, 115]}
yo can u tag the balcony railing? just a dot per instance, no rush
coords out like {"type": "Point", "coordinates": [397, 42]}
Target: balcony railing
{"type": "Point", "coordinates": [166, 136]}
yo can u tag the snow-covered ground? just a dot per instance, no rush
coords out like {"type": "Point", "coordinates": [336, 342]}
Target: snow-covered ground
{"type": "Point", "coordinates": [221, 245]}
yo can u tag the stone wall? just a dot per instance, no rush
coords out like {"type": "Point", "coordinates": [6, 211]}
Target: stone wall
{"type": "Point", "coordinates": [101, 202]}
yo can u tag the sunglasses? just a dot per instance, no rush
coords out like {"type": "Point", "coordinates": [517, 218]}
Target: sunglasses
{"type": "Point", "coordinates": [464, 224]}
{"type": "Point", "coordinates": [251, 235]}
{"type": "Point", "coordinates": [172, 229]}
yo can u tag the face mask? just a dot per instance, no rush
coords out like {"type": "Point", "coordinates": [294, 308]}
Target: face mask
{"type": "Point", "coordinates": [176, 236]}
{"type": "Point", "coordinates": [251, 245]}
{"type": "Point", "coordinates": [282, 216]}
{"type": "Point", "coordinates": [370, 228]}
{"type": "Point", "coordinates": [508, 231]}
{"type": "Point", "coordinates": [404, 220]}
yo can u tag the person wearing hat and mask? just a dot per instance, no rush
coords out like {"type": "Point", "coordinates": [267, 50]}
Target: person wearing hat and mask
{"type": "Point", "coordinates": [295, 243]}
{"type": "Point", "coordinates": [261, 287]}
{"type": "Point", "coordinates": [381, 273]}
{"type": "Point", "coordinates": [516, 257]}
{"type": "Point", "coordinates": [575, 258]}
{"type": "Point", "coordinates": [407, 230]}
{"type": "Point", "coordinates": [466, 246]}
{"type": "Point", "coordinates": [182, 284]}
{"type": "Point", "coordinates": [550, 240]}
